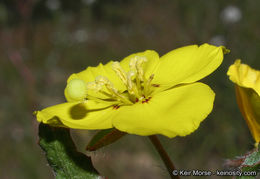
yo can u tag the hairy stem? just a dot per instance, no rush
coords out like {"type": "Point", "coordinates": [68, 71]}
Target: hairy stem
{"type": "Point", "coordinates": [166, 159]}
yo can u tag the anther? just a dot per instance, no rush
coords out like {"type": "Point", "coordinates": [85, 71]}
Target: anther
{"type": "Point", "coordinates": [101, 80]}
{"type": "Point", "coordinates": [137, 86]}
{"type": "Point", "coordinates": [132, 64]}
{"type": "Point", "coordinates": [94, 86]}
{"type": "Point", "coordinates": [114, 92]}
{"type": "Point", "coordinates": [131, 86]}
{"type": "Point", "coordinates": [148, 84]}
{"type": "Point", "coordinates": [119, 71]}
{"type": "Point", "coordinates": [139, 67]}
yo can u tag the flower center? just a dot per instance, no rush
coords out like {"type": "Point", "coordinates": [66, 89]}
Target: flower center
{"type": "Point", "coordinates": [138, 88]}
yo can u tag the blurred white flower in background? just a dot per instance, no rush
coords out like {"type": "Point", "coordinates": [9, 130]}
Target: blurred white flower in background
{"type": "Point", "coordinates": [101, 34]}
{"type": "Point", "coordinates": [231, 14]}
{"type": "Point", "coordinates": [53, 4]}
{"type": "Point", "coordinates": [218, 40]}
{"type": "Point", "coordinates": [80, 36]}
{"type": "Point", "coordinates": [88, 2]}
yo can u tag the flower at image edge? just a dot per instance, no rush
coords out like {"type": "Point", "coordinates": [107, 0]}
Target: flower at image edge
{"type": "Point", "coordinates": [143, 94]}
{"type": "Point", "coordinates": [247, 85]}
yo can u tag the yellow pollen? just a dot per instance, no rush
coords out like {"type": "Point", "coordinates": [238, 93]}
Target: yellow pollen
{"type": "Point", "coordinates": [119, 71]}
{"type": "Point", "coordinates": [131, 86]}
{"type": "Point", "coordinates": [132, 64]}
{"type": "Point", "coordinates": [94, 86]}
{"type": "Point", "coordinates": [136, 65]}
{"type": "Point", "coordinates": [101, 80]}
{"type": "Point", "coordinates": [110, 87]}
{"type": "Point", "coordinates": [139, 67]}
{"type": "Point", "coordinates": [147, 85]}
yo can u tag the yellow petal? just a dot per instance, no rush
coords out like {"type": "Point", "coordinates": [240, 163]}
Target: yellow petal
{"type": "Point", "coordinates": [174, 112]}
{"type": "Point", "coordinates": [249, 104]}
{"type": "Point", "coordinates": [188, 64]}
{"type": "Point", "coordinates": [149, 66]}
{"type": "Point", "coordinates": [244, 76]}
{"type": "Point", "coordinates": [85, 115]}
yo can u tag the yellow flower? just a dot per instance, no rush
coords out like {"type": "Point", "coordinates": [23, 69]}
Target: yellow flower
{"type": "Point", "coordinates": [143, 94]}
{"type": "Point", "coordinates": [247, 85]}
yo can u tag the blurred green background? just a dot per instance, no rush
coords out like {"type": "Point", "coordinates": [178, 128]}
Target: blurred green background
{"type": "Point", "coordinates": [44, 41]}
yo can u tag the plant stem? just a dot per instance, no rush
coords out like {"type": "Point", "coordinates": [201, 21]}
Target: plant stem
{"type": "Point", "coordinates": [166, 159]}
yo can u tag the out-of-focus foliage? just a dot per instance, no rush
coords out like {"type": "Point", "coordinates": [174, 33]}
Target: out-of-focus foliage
{"type": "Point", "coordinates": [44, 41]}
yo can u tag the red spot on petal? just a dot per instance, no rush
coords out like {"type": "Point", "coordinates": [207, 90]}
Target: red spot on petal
{"type": "Point", "coordinates": [146, 100]}
{"type": "Point", "coordinates": [155, 85]}
{"type": "Point", "coordinates": [116, 106]}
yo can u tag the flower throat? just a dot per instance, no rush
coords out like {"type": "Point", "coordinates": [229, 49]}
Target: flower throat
{"type": "Point", "coordinates": [138, 87]}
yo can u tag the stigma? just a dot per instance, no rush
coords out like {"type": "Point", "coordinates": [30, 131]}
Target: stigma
{"type": "Point", "coordinates": [77, 90]}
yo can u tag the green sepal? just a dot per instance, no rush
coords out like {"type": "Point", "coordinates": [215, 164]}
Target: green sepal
{"type": "Point", "coordinates": [62, 156]}
{"type": "Point", "coordinates": [103, 138]}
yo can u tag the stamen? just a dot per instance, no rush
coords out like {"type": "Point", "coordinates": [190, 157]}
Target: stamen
{"type": "Point", "coordinates": [119, 71]}
{"type": "Point", "coordinates": [131, 86]}
{"type": "Point", "coordinates": [132, 64]}
{"type": "Point", "coordinates": [136, 65]}
{"type": "Point", "coordinates": [94, 86]}
{"type": "Point", "coordinates": [104, 81]}
{"type": "Point", "coordinates": [138, 87]}
{"type": "Point", "coordinates": [101, 80]}
{"type": "Point", "coordinates": [139, 67]}
{"type": "Point", "coordinates": [101, 100]}
{"type": "Point", "coordinates": [147, 85]}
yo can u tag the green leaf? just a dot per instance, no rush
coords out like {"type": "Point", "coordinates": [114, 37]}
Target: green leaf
{"type": "Point", "coordinates": [103, 138]}
{"type": "Point", "coordinates": [252, 159]}
{"type": "Point", "coordinates": [247, 177]}
{"type": "Point", "coordinates": [61, 153]}
{"type": "Point", "coordinates": [249, 164]}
